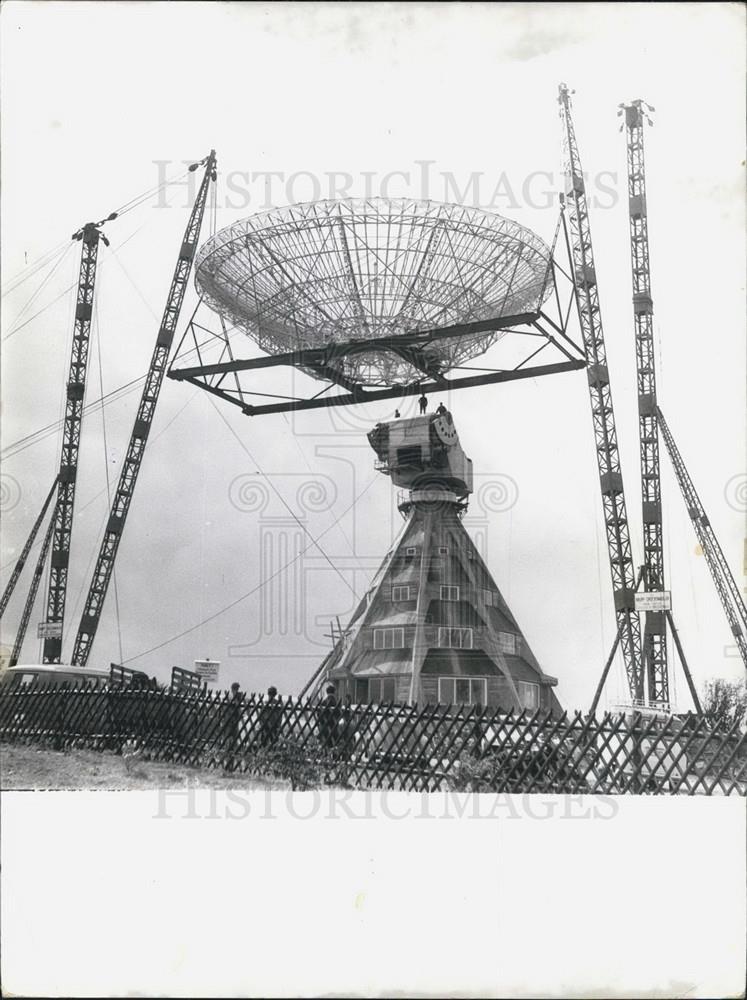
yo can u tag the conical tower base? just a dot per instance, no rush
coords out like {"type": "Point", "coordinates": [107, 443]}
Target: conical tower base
{"type": "Point", "coordinates": [434, 627]}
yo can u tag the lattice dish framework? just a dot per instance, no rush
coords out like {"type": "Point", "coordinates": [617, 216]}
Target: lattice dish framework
{"type": "Point", "coordinates": [355, 270]}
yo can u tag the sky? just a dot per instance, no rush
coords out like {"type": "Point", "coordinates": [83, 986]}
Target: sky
{"type": "Point", "coordinates": [454, 102]}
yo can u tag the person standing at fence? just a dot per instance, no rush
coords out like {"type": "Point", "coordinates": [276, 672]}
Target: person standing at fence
{"type": "Point", "coordinates": [478, 731]}
{"type": "Point", "coordinates": [270, 718]}
{"type": "Point", "coordinates": [231, 723]}
{"type": "Point", "coordinates": [329, 718]}
{"type": "Point", "coordinates": [347, 727]}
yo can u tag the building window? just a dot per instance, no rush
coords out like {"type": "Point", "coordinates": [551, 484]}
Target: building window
{"type": "Point", "coordinates": [389, 638]}
{"type": "Point", "coordinates": [402, 594]}
{"type": "Point", "coordinates": [487, 596]}
{"type": "Point", "coordinates": [449, 593]}
{"type": "Point", "coordinates": [381, 689]}
{"type": "Point", "coordinates": [463, 690]}
{"type": "Point", "coordinates": [507, 642]}
{"type": "Point", "coordinates": [529, 695]}
{"type": "Point", "coordinates": [443, 550]}
{"type": "Point", "coordinates": [454, 638]}
{"type": "Point", "coordinates": [410, 552]}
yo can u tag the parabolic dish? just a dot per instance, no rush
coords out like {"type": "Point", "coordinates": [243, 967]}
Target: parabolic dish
{"type": "Point", "coordinates": [337, 271]}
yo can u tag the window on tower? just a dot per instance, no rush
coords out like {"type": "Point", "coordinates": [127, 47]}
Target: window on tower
{"type": "Point", "coordinates": [463, 690]}
{"type": "Point", "coordinates": [381, 689]}
{"type": "Point", "coordinates": [507, 642]}
{"type": "Point", "coordinates": [529, 695]}
{"type": "Point", "coordinates": [449, 593]}
{"type": "Point", "coordinates": [454, 638]}
{"type": "Point", "coordinates": [389, 638]}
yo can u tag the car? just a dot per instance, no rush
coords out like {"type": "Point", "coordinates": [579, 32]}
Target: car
{"type": "Point", "coordinates": [55, 674]}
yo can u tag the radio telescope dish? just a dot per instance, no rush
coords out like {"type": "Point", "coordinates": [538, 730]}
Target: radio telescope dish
{"type": "Point", "coordinates": [330, 272]}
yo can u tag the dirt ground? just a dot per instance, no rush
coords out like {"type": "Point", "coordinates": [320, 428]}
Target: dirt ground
{"type": "Point", "coordinates": [26, 767]}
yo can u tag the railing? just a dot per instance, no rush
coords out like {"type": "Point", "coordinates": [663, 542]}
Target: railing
{"type": "Point", "coordinates": [428, 748]}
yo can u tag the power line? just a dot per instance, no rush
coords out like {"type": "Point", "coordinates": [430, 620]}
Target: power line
{"type": "Point", "coordinates": [28, 270]}
{"type": "Point", "coordinates": [32, 269]}
{"type": "Point", "coordinates": [19, 326]}
{"type": "Point", "coordinates": [35, 293]}
{"type": "Point", "coordinates": [277, 493]}
{"type": "Point", "coordinates": [96, 496]}
{"type": "Point", "coordinates": [281, 569]}
{"type": "Point", "coordinates": [16, 447]}
{"type": "Point", "coordinates": [97, 331]}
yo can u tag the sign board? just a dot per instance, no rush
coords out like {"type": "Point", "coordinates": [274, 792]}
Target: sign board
{"type": "Point", "coordinates": [654, 600]}
{"type": "Point", "coordinates": [49, 630]}
{"type": "Point", "coordinates": [207, 670]}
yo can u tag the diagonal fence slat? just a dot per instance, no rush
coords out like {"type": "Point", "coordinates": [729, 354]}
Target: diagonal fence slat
{"type": "Point", "coordinates": [386, 746]}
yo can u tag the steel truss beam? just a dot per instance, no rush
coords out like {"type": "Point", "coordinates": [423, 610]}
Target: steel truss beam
{"type": "Point", "coordinates": [680, 652]}
{"type": "Point", "coordinates": [143, 421]}
{"type": "Point", "coordinates": [578, 236]}
{"type": "Point", "coordinates": [654, 635]}
{"type": "Point", "coordinates": [326, 360]}
{"type": "Point", "coordinates": [18, 568]}
{"type": "Point", "coordinates": [89, 236]}
{"type": "Point", "coordinates": [415, 389]}
{"type": "Point", "coordinates": [31, 597]}
{"type": "Point", "coordinates": [726, 588]}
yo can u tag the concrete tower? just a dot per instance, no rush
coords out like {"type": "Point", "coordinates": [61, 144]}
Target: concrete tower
{"type": "Point", "coordinates": [433, 627]}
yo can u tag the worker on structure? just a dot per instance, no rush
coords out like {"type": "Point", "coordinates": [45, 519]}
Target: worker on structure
{"type": "Point", "coordinates": [397, 414]}
{"type": "Point", "coordinates": [441, 411]}
{"type": "Point", "coordinates": [423, 403]}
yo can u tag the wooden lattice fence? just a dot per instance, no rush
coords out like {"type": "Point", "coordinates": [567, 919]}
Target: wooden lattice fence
{"type": "Point", "coordinates": [419, 748]}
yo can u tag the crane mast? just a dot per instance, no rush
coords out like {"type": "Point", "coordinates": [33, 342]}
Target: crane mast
{"type": "Point", "coordinates": [728, 592]}
{"type": "Point", "coordinates": [89, 236]}
{"type": "Point", "coordinates": [21, 562]}
{"type": "Point", "coordinates": [654, 633]}
{"type": "Point", "coordinates": [138, 439]}
{"type": "Point", "coordinates": [605, 434]}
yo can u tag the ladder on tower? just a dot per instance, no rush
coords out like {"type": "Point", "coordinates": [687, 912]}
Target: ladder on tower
{"type": "Point", "coordinates": [104, 568]}
{"type": "Point", "coordinates": [578, 237]}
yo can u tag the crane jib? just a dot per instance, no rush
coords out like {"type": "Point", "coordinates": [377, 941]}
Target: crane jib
{"type": "Point", "coordinates": [146, 411]}
{"type": "Point", "coordinates": [578, 241]}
